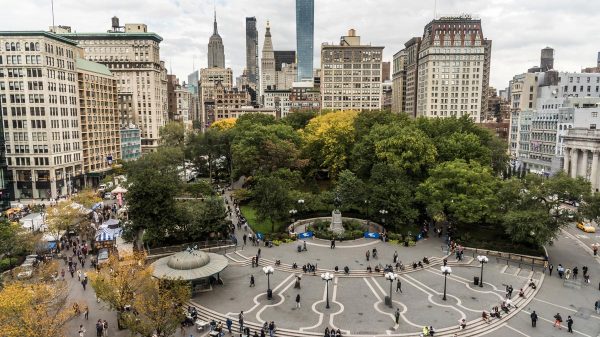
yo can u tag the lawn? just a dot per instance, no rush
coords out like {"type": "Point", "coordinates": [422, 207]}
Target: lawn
{"type": "Point", "coordinates": [258, 226]}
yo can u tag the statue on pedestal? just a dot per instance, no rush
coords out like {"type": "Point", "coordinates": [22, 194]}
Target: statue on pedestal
{"type": "Point", "coordinates": [336, 216]}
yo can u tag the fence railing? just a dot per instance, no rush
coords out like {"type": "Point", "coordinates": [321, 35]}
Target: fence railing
{"type": "Point", "coordinates": [527, 260]}
{"type": "Point", "coordinates": [205, 245]}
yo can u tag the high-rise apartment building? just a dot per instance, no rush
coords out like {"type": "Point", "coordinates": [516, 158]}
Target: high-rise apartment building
{"type": "Point", "coordinates": [216, 50]}
{"type": "Point", "coordinates": [351, 75]}
{"type": "Point", "coordinates": [40, 113]}
{"type": "Point", "coordinates": [184, 106]}
{"type": "Point", "coordinates": [305, 35]}
{"type": "Point", "coordinates": [226, 100]}
{"type": "Point", "coordinates": [131, 143]}
{"type": "Point", "coordinates": [99, 115]}
{"type": "Point", "coordinates": [209, 78]}
{"type": "Point", "coordinates": [447, 70]}
{"type": "Point", "coordinates": [172, 82]}
{"type": "Point", "coordinates": [252, 51]}
{"type": "Point", "coordinates": [132, 54]}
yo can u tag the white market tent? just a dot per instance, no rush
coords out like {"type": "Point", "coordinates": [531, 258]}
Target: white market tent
{"type": "Point", "coordinates": [118, 190]}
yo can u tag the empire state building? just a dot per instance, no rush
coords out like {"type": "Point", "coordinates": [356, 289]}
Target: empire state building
{"type": "Point", "coordinates": [216, 50]}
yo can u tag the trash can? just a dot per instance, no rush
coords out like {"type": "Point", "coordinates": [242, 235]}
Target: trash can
{"type": "Point", "coordinates": [476, 280]}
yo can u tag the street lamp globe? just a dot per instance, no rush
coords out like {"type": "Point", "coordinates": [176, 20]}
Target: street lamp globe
{"type": "Point", "coordinates": [483, 260]}
{"type": "Point", "coordinates": [391, 276]}
{"type": "Point", "coordinates": [327, 277]}
{"type": "Point", "coordinates": [446, 270]}
{"type": "Point", "coordinates": [268, 270]}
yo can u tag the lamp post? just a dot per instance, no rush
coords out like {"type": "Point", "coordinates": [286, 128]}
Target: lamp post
{"type": "Point", "coordinates": [391, 276]}
{"type": "Point", "coordinates": [300, 204]}
{"type": "Point", "coordinates": [483, 260]}
{"type": "Point", "coordinates": [446, 270]}
{"type": "Point", "coordinates": [292, 214]}
{"type": "Point", "coordinates": [383, 213]}
{"type": "Point", "coordinates": [327, 277]}
{"type": "Point", "coordinates": [367, 207]}
{"type": "Point", "coordinates": [268, 270]}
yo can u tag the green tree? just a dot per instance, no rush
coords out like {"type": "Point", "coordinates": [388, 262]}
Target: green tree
{"type": "Point", "coordinates": [272, 198]}
{"type": "Point", "coordinates": [172, 134]}
{"type": "Point", "coordinates": [465, 193]}
{"type": "Point", "coordinates": [590, 209]}
{"type": "Point", "coordinates": [299, 119]}
{"type": "Point", "coordinates": [351, 190]}
{"type": "Point", "coordinates": [15, 240]}
{"type": "Point", "coordinates": [199, 188]}
{"type": "Point", "coordinates": [463, 145]}
{"type": "Point", "coordinates": [154, 184]}
{"type": "Point", "coordinates": [199, 220]}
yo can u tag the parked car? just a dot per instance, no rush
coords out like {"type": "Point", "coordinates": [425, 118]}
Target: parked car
{"type": "Point", "coordinates": [586, 227]}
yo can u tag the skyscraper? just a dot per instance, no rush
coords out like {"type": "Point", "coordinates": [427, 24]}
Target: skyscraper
{"type": "Point", "coordinates": [268, 75]}
{"type": "Point", "coordinates": [216, 50]}
{"type": "Point", "coordinates": [305, 31]}
{"type": "Point", "coordinates": [252, 50]}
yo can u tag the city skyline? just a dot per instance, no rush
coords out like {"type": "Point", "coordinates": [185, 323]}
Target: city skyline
{"type": "Point", "coordinates": [186, 27]}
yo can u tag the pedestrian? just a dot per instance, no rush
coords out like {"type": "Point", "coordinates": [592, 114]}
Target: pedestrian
{"type": "Point", "coordinates": [298, 301]}
{"type": "Point", "coordinates": [271, 329]}
{"type": "Point", "coordinates": [99, 328]}
{"type": "Point", "coordinates": [62, 274]}
{"type": "Point", "coordinates": [550, 269]}
{"type": "Point", "coordinates": [585, 270]}
{"type": "Point", "coordinates": [105, 327]}
{"type": "Point", "coordinates": [252, 281]}
{"type": "Point", "coordinates": [545, 266]}
{"type": "Point", "coordinates": [84, 283]}
{"type": "Point", "coordinates": [241, 320]}
{"type": "Point", "coordinates": [534, 318]}
{"type": "Point", "coordinates": [462, 324]}
{"type": "Point", "coordinates": [86, 312]}
{"type": "Point", "coordinates": [368, 254]}
{"type": "Point", "coordinates": [229, 323]}
{"type": "Point", "coordinates": [258, 254]}
{"type": "Point", "coordinates": [597, 306]}
{"type": "Point", "coordinates": [557, 321]}
{"type": "Point", "coordinates": [397, 315]}
{"type": "Point", "coordinates": [395, 256]}
{"type": "Point", "coordinates": [332, 245]}
{"type": "Point", "coordinates": [398, 285]}
{"type": "Point", "coordinates": [570, 324]}
{"type": "Point", "coordinates": [81, 330]}
{"type": "Point", "coordinates": [245, 237]}
{"type": "Point", "coordinates": [79, 275]}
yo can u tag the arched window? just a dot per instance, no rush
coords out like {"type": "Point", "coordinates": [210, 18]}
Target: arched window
{"type": "Point", "coordinates": [37, 46]}
{"type": "Point", "coordinates": [7, 46]}
{"type": "Point", "coordinates": [12, 46]}
{"type": "Point", "coordinates": [18, 46]}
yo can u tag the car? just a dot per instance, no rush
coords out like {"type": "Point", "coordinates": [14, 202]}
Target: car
{"type": "Point", "coordinates": [102, 256]}
{"type": "Point", "coordinates": [588, 228]}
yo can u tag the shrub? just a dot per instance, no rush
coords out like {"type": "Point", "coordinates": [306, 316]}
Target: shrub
{"type": "Point", "coordinates": [6, 263]}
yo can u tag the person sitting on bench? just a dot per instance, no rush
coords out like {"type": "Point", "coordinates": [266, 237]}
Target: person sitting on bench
{"type": "Point", "coordinates": [532, 284]}
{"type": "Point", "coordinates": [346, 270]}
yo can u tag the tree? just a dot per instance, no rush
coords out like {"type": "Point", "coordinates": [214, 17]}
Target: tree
{"type": "Point", "coordinates": [14, 240]}
{"type": "Point", "coordinates": [530, 208]}
{"type": "Point", "coordinates": [464, 192]}
{"type": "Point", "coordinates": [199, 188]}
{"type": "Point", "coordinates": [86, 197]}
{"type": "Point", "coordinates": [36, 309]}
{"type": "Point", "coordinates": [127, 282]}
{"type": "Point", "coordinates": [328, 140]}
{"type": "Point", "coordinates": [200, 220]}
{"type": "Point", "coordinates": [154, 185]}
{"type": "Point", "coordinates": [65, 216]}
{"type": "Point", "coordinates": [172, 134]}
{"type": "Point", "coordinates": [466, 146]}
{"type": "Point", "coordinates": [590, 208]}
{"type": "Point", "coordinates": [299, 119]}
{"type": "Point", "coordinates": [223, 124]}
{"type": "Point", "coordinates": [272, 197]}
{"type": "Point", "coordinates": [351, 190]}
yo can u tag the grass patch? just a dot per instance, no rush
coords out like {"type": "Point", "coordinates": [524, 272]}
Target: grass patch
{"type": "Point", "coordinates": [259, 226]}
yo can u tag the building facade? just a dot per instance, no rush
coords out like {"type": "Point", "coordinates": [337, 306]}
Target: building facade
{"type": "Point", "coordinates": [399, 82]}
{"type": "Point", "coordinates": [227, 99]}
{"type": "Point", "coordinates": [252, 51]}
{"type": "Point", "coordinates": [131, 143]}
{"type": "Point", "coordinates": [268, 75]}
{"type": "Point", "coordinates": [305, 97]}
{"type": "Point", "coordinates": [209, 78]}
{"type": "Point", "coordinates": [351, 75]}
{"type": "Point", "coordinates": [279, 101]}
{"type": "Point", "coordinates": [40, 114]}
{"type": "Point", "coordinates": [99, 115]}
{"type": "Point", "coordinates": [305, 32]}
{"type": "Point", "coordinates": [216, 49]}
{"type": "Point", "coordinates": [132, 54]}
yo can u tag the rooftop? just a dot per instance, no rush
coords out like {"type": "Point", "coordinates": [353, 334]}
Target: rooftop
{"type": "Point", "coordinates": [41, 33]}
{"type": "Point", "coordinates": [113, 36]}
{"type": "Point", "coordinates": [93, 67]}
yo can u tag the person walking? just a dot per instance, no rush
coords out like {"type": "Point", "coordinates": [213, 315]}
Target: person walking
{"type": "Point", "coordinates": [597, 306]}
{"type": "Point", "coordinates": [86, 312]}
{"type": "Point", "coordinates": [81, 330]}
{"type": "Point", "coordinates": [550, 269]}
{"type": "Point", "coordinates": [545, 266]}
{"type": "Point", "coordinates": [252, 281]}
{"type": "Point", "coordinates": [298, 301]}
{"type": "Point", "coordinates": [99, 328]}
{"type": "Point", "coordinates": [575, 272]}
{"type": "Point", "coordinates": [104, 328]}
{"type": "Point", "coordinates": [84, 283]}
{"type": "Point", "coordinates": [241, 320]}
{"type": "Point", "coordinates": [557, 321]}
{"type": "Point", "coordinates": [332, 245]}
{"type": "Point", "coordinates": [368, 254]}
{"type": "Point", "coordinates": [79, 275]}
{"type": "Point", "coordinates": [258, 254]}
{"type": "Point", "coordinates": [570, 324]}
{"type": "Point", "coordinates": [229, 323]}
{"type": "Point", "coordinates": [398, 285]}
{"type": "Point", "coordinates": [397, 315]}
{"type": "Point", "coordinates": [534, 318]}
{"type": "Point", "coordinates": [395, 256]}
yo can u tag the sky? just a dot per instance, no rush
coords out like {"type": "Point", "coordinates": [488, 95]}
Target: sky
{"type": "Point", "coordinates": [518, 28]}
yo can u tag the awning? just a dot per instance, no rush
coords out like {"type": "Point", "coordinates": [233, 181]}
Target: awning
{"type": "Point", "coordinates": [118, 190]}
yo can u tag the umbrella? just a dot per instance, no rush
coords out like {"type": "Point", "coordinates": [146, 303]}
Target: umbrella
{"type": "Point", "coordinates": [118, 190]}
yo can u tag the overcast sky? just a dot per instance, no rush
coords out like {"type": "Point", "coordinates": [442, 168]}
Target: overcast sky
{"type": "Point", "coordinates": [518, 28]}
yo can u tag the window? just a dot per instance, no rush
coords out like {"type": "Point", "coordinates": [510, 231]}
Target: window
{"type": "Point", "coordinates": [595, 114]}
{"type": "Point", "coordinates": [592, 126]}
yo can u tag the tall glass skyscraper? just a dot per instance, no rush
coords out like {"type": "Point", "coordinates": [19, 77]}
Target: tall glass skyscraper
{"type": "Point", "coordinates": [305, 36]}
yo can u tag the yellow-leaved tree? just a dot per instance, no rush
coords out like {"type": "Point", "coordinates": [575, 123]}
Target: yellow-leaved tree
{"type": "Point", "coordinates": [144, 304]}
{"type": "Point", "coordinates": [87, 198]}
{"type": "Point", "coordinates": [224, 124]}
{"type": "Point", "coordinates": [328, 140]}
{"type": "Point", "coordinates": [36, 308]}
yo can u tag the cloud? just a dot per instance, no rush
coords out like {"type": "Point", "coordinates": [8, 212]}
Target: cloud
{"type": "Point", "coordinates": [519, 29]}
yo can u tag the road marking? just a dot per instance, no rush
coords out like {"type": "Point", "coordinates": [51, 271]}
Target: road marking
{"type": "Point", "coordinates": [468, 285]}
{"type": "Point", "coordinates": [278, 303]}
{"type": "Point", "coordinates": [562, 307]}
{"type": "Point", "coordinates": [343, 247]}
{"type": "Point", "coordinates": [334, 300]}
{"type": "Point", "coordinates": [314, 309]}
{"type": "Point", "coordinates": [515, 330]}
{"type": "Point", "coordinates": [549, 321]}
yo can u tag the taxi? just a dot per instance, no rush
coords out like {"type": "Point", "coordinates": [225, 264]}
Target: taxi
{"type": "Point", "coordinates": [588, 228]}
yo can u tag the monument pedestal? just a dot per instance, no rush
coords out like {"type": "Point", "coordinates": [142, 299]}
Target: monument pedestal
{"type": "Point", "coordinates": [336, 222]}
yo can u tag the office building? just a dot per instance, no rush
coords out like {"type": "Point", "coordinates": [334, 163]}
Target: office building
{"type": "Point", "coordinates": [252, 51]}
{"type": "Point", "coordinates": [447, 69]}
{"type": "Point", "coordinates": [305, 97]}
{"type": "Point", "coordinates": [305, 31]}
{"type": "Point", "coordinates": [399, 82]}
{"type": "Point", "coordinates": [209, 78]}
{"type": "Point", "coordinates": [227, 99]}
{"type": "Point", "coordinates": [172, 83]}
{"type": "Point", "coordinates": [351, 75]}
{"type": "Point", "coordinates": [99, 115]}
{"type": "Point", "coordinates": [40, 114]}
{"type": "Point", "coordinates": [216, 50]}
{"type": "Point", "coordinates": [132, 54]}
{"type": "Point", "coordinates": [279, 101]}
{"type": "Point", "coordinates": [131, 143]}
{"type": "Point", "coordinates": [385, 71]}
{"type": "Point", "coordinates": [268, 75]}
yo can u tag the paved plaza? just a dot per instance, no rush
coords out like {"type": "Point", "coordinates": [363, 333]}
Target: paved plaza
{"type": "Point", "coordinates": [356, 299]}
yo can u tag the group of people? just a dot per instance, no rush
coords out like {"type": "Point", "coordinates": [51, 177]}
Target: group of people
{"type": "Point", "coordinates": [568, 273]}
{"type": "Point", "coordinates": [101, 329]}
{"type": "Point", "coordinates": [268, 328]}
{"type": "Point", "coordinates": [332, 332]}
